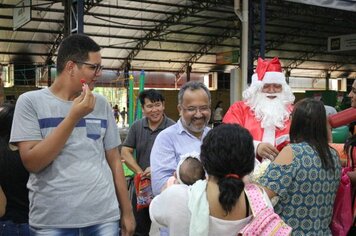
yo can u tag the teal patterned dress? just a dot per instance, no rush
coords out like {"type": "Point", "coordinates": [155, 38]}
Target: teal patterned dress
{"type": "Point", "coordinates": [306, 191]}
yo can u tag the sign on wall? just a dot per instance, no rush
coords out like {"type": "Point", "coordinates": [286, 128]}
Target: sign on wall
{"type": "Point", "coordinates": [342, 43]}
{"type": "Point", "coordinates": [224, 58]}
{"type": "Point", "coordinates": [21, 14]}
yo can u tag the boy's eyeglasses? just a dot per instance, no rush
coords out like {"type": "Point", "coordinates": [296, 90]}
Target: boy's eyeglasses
{"type": "Point", "coordinates": [95, 67]}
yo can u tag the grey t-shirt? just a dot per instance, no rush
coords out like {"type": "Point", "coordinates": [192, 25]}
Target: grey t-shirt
{"type": "Point", "coordinates": [141, 137]}
{"type": "Point", "coordinates": [77, 188]}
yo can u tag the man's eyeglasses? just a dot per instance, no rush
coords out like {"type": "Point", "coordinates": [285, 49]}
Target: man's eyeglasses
{"type": "Point", "coordinates": [95, 67]}
{"type": "Point", "coordinates": [194, 110]}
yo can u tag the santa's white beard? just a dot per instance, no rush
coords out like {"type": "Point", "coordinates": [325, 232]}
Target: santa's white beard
{"type": "Point", "coordinates": [271, 112]}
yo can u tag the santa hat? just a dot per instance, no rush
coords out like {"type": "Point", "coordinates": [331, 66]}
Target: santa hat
{"type": "Point", "coordinates": [268, 72]}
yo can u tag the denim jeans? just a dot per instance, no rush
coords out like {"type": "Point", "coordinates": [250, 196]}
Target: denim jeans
{"type": "Point", "coordinates": [9, 228]}
{"type": "Point", "coordinates": [105, 229]}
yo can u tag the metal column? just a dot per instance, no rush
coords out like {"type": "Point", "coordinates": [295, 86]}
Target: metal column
{"type": "Point", "coordinates": [73, 17]}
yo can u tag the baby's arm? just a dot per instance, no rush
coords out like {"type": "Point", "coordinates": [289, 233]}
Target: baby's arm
{"type": "Point", "coordinates": [171, 180]}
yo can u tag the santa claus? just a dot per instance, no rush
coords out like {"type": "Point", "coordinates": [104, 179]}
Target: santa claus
{"type": "Point", "coordinates": [265, 109]}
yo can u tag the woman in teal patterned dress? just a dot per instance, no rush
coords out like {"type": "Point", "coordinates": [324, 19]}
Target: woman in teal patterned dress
{"type": "Point", "coordinates": [306, 173]}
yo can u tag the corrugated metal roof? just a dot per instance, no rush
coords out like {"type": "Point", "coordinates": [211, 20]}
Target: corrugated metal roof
{"type": "Point", "coordinates": [166, 35]}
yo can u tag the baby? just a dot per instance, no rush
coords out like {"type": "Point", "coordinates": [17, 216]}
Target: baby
{"type": "Point", "coordinates": [189, 170]}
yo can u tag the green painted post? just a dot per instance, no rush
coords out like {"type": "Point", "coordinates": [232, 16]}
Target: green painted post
{"type": "Point", "coordinates": [129, 173]}
{"type": "Point", "coordinates": [141, 88]}
{"type": "Point", "coordinates": [131, 100]}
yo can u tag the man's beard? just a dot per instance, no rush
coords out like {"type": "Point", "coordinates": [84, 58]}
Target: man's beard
{"type": "Point", "coordinates": [271, 112]}
{"type": "Point", "coordinates": [190, 126]}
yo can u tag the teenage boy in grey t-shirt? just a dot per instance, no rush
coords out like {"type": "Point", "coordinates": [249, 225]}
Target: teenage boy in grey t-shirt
{"type": "Point", "coordinates": [68, 139]}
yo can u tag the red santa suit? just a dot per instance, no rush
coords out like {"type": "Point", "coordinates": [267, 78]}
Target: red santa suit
{"type": "Point", "coordinates": [240, 113]}
{"type": "Point", "coordinates": [267, 72]}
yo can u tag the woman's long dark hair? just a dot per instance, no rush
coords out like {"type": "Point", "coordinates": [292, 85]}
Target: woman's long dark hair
{"type": "Point", "coordinates": [228, 149]}
{"type": "Point", "coordinates": [309, 125]}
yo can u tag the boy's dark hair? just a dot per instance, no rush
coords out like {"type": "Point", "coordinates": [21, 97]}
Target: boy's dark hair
{"type": "Point", "coordinates": [75, 47]}
{"type": "Point", "coordinates": [151, 94]}
{"type": "Point", "coordinates": [191, 170]}
{"type": "Point", "coordinates": [228, 149]}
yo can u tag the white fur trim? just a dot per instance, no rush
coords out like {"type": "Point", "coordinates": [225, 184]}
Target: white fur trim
{"type": "Point", "coordinates": [269, 135]}
{"type": "Point", "coordinates": [270, 78]}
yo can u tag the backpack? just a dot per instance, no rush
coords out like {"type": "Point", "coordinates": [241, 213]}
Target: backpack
{"type": "Point", "coordinates": [265, 221]}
